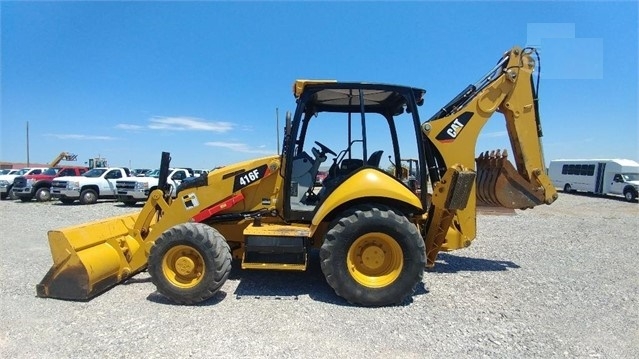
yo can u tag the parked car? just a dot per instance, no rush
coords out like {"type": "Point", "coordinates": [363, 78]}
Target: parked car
{"type": "Point", "coordinates": [8, 171]}
{"type": "Point", "coordinates": [140, 172]}
{"type": "Point", "coordinates": [319, 178]}
{"type": "Point", "coordinates": [199, 172]}
{"type": "Point", "coordinates": [39, 186]}
{"type": "Point", "coordinates": [98, 183]}
{"type": "Point", "coordinates": [133, 190]}
{"type": "Point", "coordinates": [6, 181]}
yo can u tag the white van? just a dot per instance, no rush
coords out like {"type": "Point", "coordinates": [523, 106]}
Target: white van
{"type": "Point", "coordinates": [599, 176]}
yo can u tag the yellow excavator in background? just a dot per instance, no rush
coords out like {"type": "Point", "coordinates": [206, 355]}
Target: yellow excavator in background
{"type": "Point", "coordinates": [410, 173]}
{"type": "Point", "coordinates": [63, 156]}
{"type": "Point", "coordinates": [375, 236]}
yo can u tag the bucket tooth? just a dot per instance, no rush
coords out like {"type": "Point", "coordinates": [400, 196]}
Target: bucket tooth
{"type": "Point", "coordinates": [500, 185]}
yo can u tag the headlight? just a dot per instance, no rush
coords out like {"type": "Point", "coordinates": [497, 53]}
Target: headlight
{"type": "Point", "coordinates": [30, 182]}
{"type": "Point", "coordinates": [141, 186]}
{"type": "Point", "coordinates": [4, 183]}
{"type": "Point", "coordinates": [73, 185]}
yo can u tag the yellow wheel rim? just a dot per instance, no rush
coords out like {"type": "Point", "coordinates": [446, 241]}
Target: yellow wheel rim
{"type": "Point", "coordinates": [375, 260]}
{"type": "Point", "coordinates": [183, 266]}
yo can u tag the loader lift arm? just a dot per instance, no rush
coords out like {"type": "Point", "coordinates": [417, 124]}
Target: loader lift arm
{"type": "Point", "coordinates": [450, 138]}
{"type": "Point", "coordinates": [63, 156]}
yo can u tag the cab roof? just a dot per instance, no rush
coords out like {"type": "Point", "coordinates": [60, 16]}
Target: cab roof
{"type": "Point", "coordinates": [329, 95]}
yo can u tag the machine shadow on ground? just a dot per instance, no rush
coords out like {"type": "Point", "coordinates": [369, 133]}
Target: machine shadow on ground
{"type": "Point", "coordinates": [284, 285]}
{"type": "Point", "coordinates": [291, 285]}
{"type": "Point", "coordinates": [272, 285]}
{"type": "Point", "coordinates": [448, 263]}
{"type": "Point", "coordinates": [594, 195]}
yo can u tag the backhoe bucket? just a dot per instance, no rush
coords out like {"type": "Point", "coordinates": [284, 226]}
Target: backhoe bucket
{"type": "Point", "coordinates": [90, 258]}
{"type": "Point", "coordinates": [500, 185]}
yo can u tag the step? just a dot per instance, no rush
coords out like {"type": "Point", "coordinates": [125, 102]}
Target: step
{"type": "Point", "coordinates": [275, 247]}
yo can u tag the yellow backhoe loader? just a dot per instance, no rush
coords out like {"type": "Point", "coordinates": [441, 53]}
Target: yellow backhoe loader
{"type": "Point", "coordinates": [63, 156]}
{"type": "Point", "coordinates": [374, 234]}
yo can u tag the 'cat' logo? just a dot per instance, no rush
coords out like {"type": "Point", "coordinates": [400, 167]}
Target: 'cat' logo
{"type": "Point", "coordinates": [450, 132]}
{"type": "Point", "coordinates": [454, 128]}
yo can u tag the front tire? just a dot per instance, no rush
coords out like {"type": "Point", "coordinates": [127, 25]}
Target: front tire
{"type": "Point", "coordinates": [12, 195]}
{"type": "Point", "coordinates": [43, 194]}
{"type": "Point", "coordinates": [567, 188]}
{"type": "Point", "coordinates": [88, 196]}
{"type": "Point", "coordinates": [189, 263]}
{"type": "Point", "coordinates": [629, 195]}
{"type": "Point", "coordinates": [373, 256]}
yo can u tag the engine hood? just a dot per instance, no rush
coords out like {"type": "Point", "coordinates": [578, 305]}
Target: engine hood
{"type": "Point", "coordinates": [76, 178]}
{"type": "Point", "coordinates": [633, 183]}
{"type": "Point", "coordinates": [9, 178]}
{"type": "Point", "coordinates": [39, 177]}
{"type": "Point", "coordinates": [232, 178]}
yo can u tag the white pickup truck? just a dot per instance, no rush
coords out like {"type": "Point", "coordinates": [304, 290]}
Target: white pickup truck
{"type": "Point", "coordinates": [137, 189]}
{"type": "Point", "coordinates": [98, 183]}
{"type": "Point", "coordinates": [6, 181]}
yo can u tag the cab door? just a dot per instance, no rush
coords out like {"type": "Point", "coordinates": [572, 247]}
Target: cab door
{"type": "Point", "coordinates": [617, 184]}
{"type": "Point", "coordinates": [108, 186]}
{"type": "Point", "coordinates": [175, 181]}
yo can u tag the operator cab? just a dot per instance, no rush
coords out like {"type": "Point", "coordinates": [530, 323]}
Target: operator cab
{"type": "Point", "coordinates": [340, 129]}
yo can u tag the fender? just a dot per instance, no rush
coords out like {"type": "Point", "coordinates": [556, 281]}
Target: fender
{"type": "Point", "coordinates": [365, 183]}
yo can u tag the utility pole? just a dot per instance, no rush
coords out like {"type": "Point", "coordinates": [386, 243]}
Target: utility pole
{"type": "Point", "coordinates": [28, 163]}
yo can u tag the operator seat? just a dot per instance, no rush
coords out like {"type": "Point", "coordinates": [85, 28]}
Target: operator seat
{"type": "Point", "coordinates": [337, 173]}
{"type": "Point", "coordinates": [375, 158]}
{"type": "Point", "coordinates": [349, 165]}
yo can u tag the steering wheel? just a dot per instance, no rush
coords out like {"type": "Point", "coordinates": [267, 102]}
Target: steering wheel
{"type": "Point", "coordinates": [325, 149]}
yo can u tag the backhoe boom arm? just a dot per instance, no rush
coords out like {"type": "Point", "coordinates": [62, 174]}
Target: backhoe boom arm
{"type": "Point", "coordinates": [453, 132]}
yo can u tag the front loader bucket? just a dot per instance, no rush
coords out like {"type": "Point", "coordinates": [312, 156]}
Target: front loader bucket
{"type": "Point", "coordinates": [500, 185]}
{"type": "Point", "coordinates": [90, 258]}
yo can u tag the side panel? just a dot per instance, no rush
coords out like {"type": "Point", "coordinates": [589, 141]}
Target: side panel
{"type": "Point", "coordinates": [564, 172]}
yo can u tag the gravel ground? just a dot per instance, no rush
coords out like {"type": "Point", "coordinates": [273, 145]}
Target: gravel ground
{"type": "Point", "coordinates": [555, 281]}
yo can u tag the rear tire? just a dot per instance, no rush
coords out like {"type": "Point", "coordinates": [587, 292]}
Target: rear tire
{"type": "Point", "coordinates": [43, 194]}
{"type": "Point", "coordinates": [189, 263]}
{"type": "Point", "coordinates": [88, 196]}
{"type": "Point", "coordinates": [373, 256]}
{"type": "Point", "coordinates": [567, 188]}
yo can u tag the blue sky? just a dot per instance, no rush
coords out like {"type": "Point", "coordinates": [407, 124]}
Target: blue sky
{"type": "Point", "coordinates": [127, 80]}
